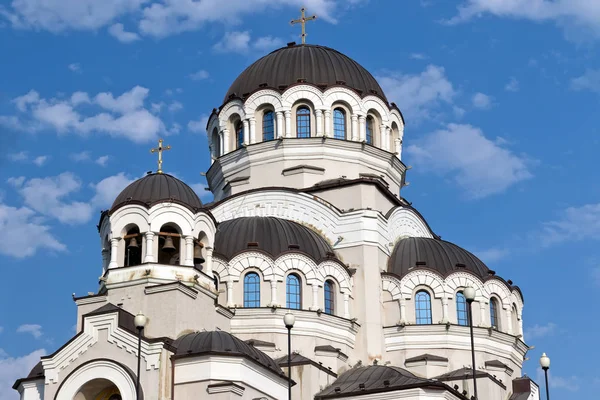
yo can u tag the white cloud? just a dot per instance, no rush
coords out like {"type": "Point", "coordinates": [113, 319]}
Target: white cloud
{"type": "Point", "coordinates": [418, 56]}
{"type": "Point", "coordinates": [492, 255]}
{"type": "Point", "coordinates": [122, 116]}
{"type": "Point", "coordinates": [418, 95]}
{"type": "Point", "coordinates": [13, 368]}
{"type": "Point", "coordinates": [512, 85]}
{"type": "Point", "coordinates": [119, 32]}
{"type": "Point", "coordinates": [108, 189]}
{"type": "Point", "coordinates": [175, 106]}
{"type": "Point", "coordinates": [198, 126]}
{"type": "Point", "coordinates": [476, 164]}
{"type": "Point", "coordinates": [241, 42]}
{"type": "Point", "coordinates": [539, 331]}
{"type": "Point", "coordinates": [17, 223]}
{"type": "Point", "coordinates": [570, 383]}
{"type": "Point", "coordinates": [75, 67]}
{"type": "Point", "coordinates": [199, 75]}
{"type": "Point", "coordinates": [40, 160]}
{"type": "Point", "coordinates": [574, 224]}
{"type": "Point", "coordinates": [590, 80]}
{"type": "Point", "coordinates": [481, 101]}
{"type": "Point", "coordinates": [81, 156]}
{"type": "Point", "coordinates": [47, 196]}
{"type": "Point", "coordinates": [579, 18]}
{"type": "Point", "coordinates": [102, 160]}
{"type": "Point", "coordinates": [20, 156]}
{"type": "Point", "coordinates": [34, 329]}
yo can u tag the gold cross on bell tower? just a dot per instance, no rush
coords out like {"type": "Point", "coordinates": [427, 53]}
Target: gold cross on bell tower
{"type": "Point", "coordinates": [160, 150]}
{"type": "Point", "coordinates": [302, 20]}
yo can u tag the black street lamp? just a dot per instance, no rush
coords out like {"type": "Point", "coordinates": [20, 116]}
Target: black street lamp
{"type": "Point", "coordinates": [545, 364]}
{"type": "Point", "coordinates": [469, 294]}
{"type": "Point", "coordinates": [139, 321]}
{"type": "Point", "coordinates": [288, 320]}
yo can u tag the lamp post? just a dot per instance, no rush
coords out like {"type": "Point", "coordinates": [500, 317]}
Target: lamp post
{"type": "Point", "coordinates": [288, 320]}
{"type": "Point", "coordinates": [545, 364]}
{"type": "Point", "coordinates": [469, 294]}
{"type": "Point", "coordinates": [139, 321]}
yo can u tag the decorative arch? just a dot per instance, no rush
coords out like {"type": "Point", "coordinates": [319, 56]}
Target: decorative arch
{"type": "Point", "coordinates": [331, 269]}
{"type": "Point", "coordinates": [260, 98]}
{"type": "Point", "coordinates": [341, 94]}
{"type": "Point", "coordinates": [130, 214]}
{"type": "Point", "coordinates": [233, 107]}
{"type": "Point", "coordinates": [203, 223]}
{"type": "Point", "coordinates": [296, 262]}
{"type": "Point", "coordinates": [175, 214]}
{"type": "Point", "coordinates": [422, 278]}
{"type": "Point", "coordinates": [458, 280]}
{"type": "Point", "coordinates": [494, 286]}
{"type": "Point", "coordinates": [252, 259]}
{"type": "Point", "coordinates": [302, 93]}
{"type": "Point", "coordinates": [98, 369]}
{"type": "Point", "coordinates": [391, 284]}
{"type": "Point", "coordinates": [405, 222]}
{"type": "Point", "coordinates": [220, 267]}
{"type": "Point", "coordinates": [376, 104]}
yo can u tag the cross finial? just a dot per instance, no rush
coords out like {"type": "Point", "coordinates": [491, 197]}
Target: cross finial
{"type": "Point", "coordinates": [302, 20]}
{"type": "Point", "coordinates": [160, 150]}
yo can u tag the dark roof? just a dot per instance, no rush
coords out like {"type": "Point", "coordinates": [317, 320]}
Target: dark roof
{"type": "Point", "coordinates": [37, 372]}
{"type": "Point", "coordinates": [522, 388]}
{"type": "Point", "coordinates": [305, 63]}
{"type": "Point", "coordinates": [157, 188]}
{"type": "Point", "coordinates": [498, 364]}
{"type": "Point", "coordinates": [269, 234]}
{"type": "Point", "coordinates": [298, 359]}
{"type": "Point", "coordinates": [425, 357]}
{"type": "Point", "coordinates": [435, 254]}
{"type": "Point", "coordinates": [377, 378]}
{"type": "Point", "coordinates": [222, 343]}
{"type": "Point", "coordinates": [467, 373]}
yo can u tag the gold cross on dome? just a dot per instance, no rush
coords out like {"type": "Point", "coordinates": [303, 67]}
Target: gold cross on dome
{"type": "Point", "coordinates": [160, 150]}
{"type": "Point", "coordinates": [302, 20]}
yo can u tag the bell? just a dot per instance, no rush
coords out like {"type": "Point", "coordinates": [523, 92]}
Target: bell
{"type": "Point", "coordinates": [198, 259]}
{"type": "Point", "coordinates": [133, 243]}
{"type": "Point", "coordinates": [168, 246]}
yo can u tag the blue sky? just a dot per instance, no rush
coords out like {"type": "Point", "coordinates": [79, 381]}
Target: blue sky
{"type": "Point", "coordinates": [500, 99]}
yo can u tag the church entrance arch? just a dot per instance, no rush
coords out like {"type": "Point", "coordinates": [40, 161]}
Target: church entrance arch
{"type": "Point", "coordinates": [98, 380]}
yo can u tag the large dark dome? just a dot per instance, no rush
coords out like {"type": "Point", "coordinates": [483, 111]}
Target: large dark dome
{"type": "Point", "coordinates": [156, 188]}
{"type": "Point", "coordinates": [317, 65]}
{"type": "Point", "coordinates": [441, 256]}
{"type": "Point", "coordinates": [272, 235]}
{"type": "Point", "coordinates": [222, 343]}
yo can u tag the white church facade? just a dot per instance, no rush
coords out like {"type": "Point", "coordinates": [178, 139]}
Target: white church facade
{"type": "Point", "coordinates": [307, 218]}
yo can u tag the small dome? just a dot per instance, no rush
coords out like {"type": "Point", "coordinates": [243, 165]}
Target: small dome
{"type": "Point", "coordinates": [426, 253]}
{"type": "Point", "coordinates": [157, 188]}
{"type": "Point", "coordinates": [272, 235]}
{"type": "Point", "coordinates": [222, 343]}
{"type": "Point", "coordinates": [316, 65]}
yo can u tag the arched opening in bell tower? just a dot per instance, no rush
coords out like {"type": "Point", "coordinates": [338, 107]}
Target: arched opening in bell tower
{"type": "Point", "coordinates": [98, 389]}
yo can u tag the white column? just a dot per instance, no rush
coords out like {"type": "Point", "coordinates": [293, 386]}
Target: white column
{"type": "Point", "coordinates": [246, 132]}
{"type": "Point", "coordinates": [104, 259]}
{"type": "Point", "coordinates": [288, 123]}
{"type": "Point", "coordinates": [398, 149]}
{"type": "Point", "coordinates": [362, 123]}
{"type": "Point", "coordinates": [225, 141]}
{"type": "Point", "coordinates": [315, 297]}
{"type": "Point", "coordinates": [520, 316]}
{"type": "Point", "coordinates": [274, 293]}
{"type": "Point", "coordinates": [207, 267]}
{"type": "Point", "coordinates": [355, 127]}
{"type": "Point", "coordinates": [386, 144]}
{"type": "Point", "coordinates": [483, 321]}
{"type": "Point", "coordinates": [509, 328]}
{"type": "Point", "coordinates": [327, 123]}
{"type": "Point", "coordinates": [253, 130]}
{"type": "Point", "coordinates": [445, 310]}
{"type": "Point", "coordinates": [319, 118]}
{"type": "Point", "coordinates": [149, 258]}
{"type": "Point", "coordinates": [346, 305]}
{"type": "Point", "coordinates": [279, 127]}
{"type": "Point", "coordinates": [114, 252]}
{"type": "Point", "coordinates": [189, 251]}
{"type": "Point", "coordinates": [230, 294]}
{"type": "Point", "coordinates": [402, 310]}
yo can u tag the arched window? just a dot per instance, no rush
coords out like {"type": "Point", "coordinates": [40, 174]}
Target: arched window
{"type": "Point", "coordinates": [339, 124]}
{"type": "Point", "coordinates": [239, 134]}
{"type": "Point", "coordinates": [370, 129]}
{"type": "Point", "coordinates": [329, 297]}
{"type": "Point", "coordinates": [423, 307]}
{"type": "Point", "coordinates": [169, 245]}
{"type": "Point", "coordinates": [303, 122]}
{"type": "Point", "coordinates": [252, 290]}
{"type": "Point", "coordinates": [293, 292]}
{"type": "Point", "coordinates": [461, 309]}
{"type": "Point", "coordinates": [268, 126]}
{"type": "Point", "coordinates": [216, 144]}
{"type": "Point", "coordinates": [494, 313]}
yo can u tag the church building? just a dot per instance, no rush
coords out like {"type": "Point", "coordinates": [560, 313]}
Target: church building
{"type": "Point", "coordinates": [308, 220]}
